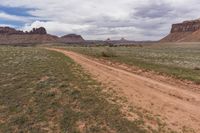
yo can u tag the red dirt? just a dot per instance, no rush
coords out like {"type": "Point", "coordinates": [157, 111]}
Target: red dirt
{"type": "Point", "coordinates": [178, 107]}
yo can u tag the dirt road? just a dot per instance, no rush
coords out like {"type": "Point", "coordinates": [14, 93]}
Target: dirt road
{"type": "Point", "coordinates": [180, 108]}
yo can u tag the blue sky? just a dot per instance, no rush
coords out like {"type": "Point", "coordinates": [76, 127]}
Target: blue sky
{"type": "Point", "coordinates": [14, 11]}
{"type": "Point", "coordinates": [99, 19]}
{"type": "Point", "coordinates": [19, 11]}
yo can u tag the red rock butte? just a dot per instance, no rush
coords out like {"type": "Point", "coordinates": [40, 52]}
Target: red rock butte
{"type": "Point", "coordinates": [187, 31]}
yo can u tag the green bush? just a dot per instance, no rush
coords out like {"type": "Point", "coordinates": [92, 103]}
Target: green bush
{"type": "Point", "coordinates": [108, 52]}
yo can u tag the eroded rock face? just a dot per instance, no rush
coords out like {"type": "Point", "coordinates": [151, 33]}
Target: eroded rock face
{"type": "Point", "coordinates": [187, 26]}
{"type": "Point", "coordinates": [11, 31]}
{"type": "Point", "coordinates": [187, 31]}
{"type": "Point", "coordinates": [12, 36]}
{"type": "Point", "coordinates": [40, 30]}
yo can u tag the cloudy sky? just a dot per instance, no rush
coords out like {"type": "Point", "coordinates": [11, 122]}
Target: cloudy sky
{"type": "Point", "coordinates": [99, 19]}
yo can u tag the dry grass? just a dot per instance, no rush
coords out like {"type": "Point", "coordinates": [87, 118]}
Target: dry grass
{"type": "Point", "coordinates": [179, 60]}
{"type": "Point", "coordinates": [44, 91]}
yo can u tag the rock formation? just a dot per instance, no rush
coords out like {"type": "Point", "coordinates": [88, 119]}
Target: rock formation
{"type": "Point", "coordinates": [188, 31]}
{"type": "Point", "coordinates": [108, 39]}
{"type": "Point", "coordinates": [40, 30]}
{"type": "Point", "coordinates": [12, 36]}
{"type": "Point", "coordinates": [123, 40]}
{"type": "Point", "coordinates": [186, 26]}
{"type": "Point", "coordinates": [9, 31]}
{"type": "Point", "coordinates": [72, 38]}
{"type": "Point", "coordinates": [36, 35]}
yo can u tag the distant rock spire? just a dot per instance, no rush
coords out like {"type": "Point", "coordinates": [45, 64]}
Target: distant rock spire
{"type": "Point", "coordinates": [108, 39]}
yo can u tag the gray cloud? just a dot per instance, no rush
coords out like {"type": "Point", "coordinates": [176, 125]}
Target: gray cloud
{"type": "Point", "coordinates": [132, 19]}
{"type": "Point", "coordinates": [154, 10]}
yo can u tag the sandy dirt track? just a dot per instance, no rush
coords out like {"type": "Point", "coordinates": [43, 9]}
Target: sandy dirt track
{"type": "Point", "coordinates": [178, 107]}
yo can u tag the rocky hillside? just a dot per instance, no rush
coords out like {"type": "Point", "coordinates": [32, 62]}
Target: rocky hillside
{"type": "Point", "coordinates": [9, 31]}
{"type": "Point", "coordinates": [12, 31]}
{"type": "Point", "coordinates": [36, 35]}
{"type": "Point", "coordinates": [188, 31]}
{"type": "Point", "coordinates": [72, 38]}
{"type": "Point", "coordinates": [12, 36]}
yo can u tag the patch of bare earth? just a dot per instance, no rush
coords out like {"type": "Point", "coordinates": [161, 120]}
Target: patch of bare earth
{"type": "Point", "coordinates": [177, 103]}
{"type": "Point", "coordinates": [2, 119]}
{"type": "Point", "coordinates": [81, 126]}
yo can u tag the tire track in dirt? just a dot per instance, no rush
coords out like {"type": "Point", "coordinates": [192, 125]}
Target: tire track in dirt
{"type": "Point", "coordinates": [178, 107]}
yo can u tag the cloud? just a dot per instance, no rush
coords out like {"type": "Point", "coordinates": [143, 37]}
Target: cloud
{"type": "Point", "coordinates": [154, 10]}
{"type": "Point", "coordinates": [54, 27]}
{"type": "Point", "coordinates": [132, 19]}
{"type": "Point", "coordinates": [12, 17]}
{"type": "Point", "coordinates": [6, 25]}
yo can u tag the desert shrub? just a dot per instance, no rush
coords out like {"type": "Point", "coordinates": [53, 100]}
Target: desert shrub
{"type": "Point", "coordinates": [197, 68]}
{"type": "Point", "coordinates": [108, 52]}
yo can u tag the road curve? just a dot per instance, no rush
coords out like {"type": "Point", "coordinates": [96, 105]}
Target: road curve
{"type": "Point", "coordinates": [178, 107]}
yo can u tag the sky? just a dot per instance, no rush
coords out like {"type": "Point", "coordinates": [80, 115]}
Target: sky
{"type": "Point", "coordinates": [99, 19]}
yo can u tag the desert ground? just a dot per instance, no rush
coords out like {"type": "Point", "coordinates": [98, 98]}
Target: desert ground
{"type": "Point", "coordinates": [152, 88]}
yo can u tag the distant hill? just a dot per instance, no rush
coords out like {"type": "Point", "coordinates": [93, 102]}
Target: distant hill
{"type": "Point", "coordinates": [11, 36]}
{"type": "Point", "coordinates": [72, 38]}
{"type": "Point", "coordinates": [187, 31]}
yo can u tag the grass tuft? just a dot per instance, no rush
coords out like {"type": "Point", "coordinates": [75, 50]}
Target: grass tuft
{"type": "Point", "coordinates": [175, 60]}
{"type": "Point", "coordinates": [45, 91]}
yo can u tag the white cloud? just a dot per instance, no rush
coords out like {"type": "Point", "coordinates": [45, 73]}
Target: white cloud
{"type": "Point", "coordinates": [132, 19]}
{"type": "Point", "coordinates": [58, 28]}
{"type": "Point", "coordinates": [6, 16]}
{"type": "Point", "coordinates": [6, 25]}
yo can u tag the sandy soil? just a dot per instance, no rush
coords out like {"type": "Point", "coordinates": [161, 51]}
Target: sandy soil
{"type": "Point", "coordinates": [177, 106]}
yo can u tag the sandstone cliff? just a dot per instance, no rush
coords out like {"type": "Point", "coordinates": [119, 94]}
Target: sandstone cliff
{"type": "Point", "coordinates": [186, 26]}
{"type": "Point", "coordinates": [188, 31]}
